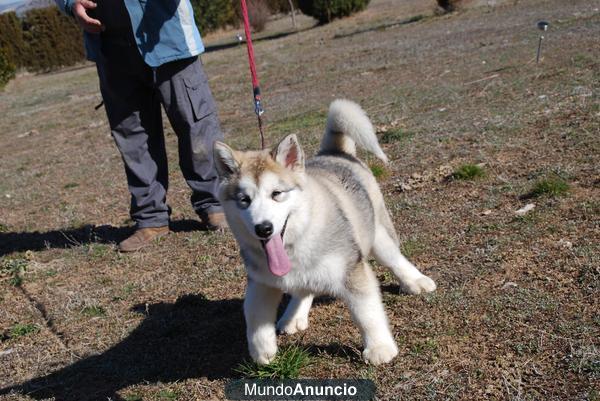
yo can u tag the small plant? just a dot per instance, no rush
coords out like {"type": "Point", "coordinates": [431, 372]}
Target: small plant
{"type": "Point", "coordinates": [71, 185]}
{"type": "Point", "coordinates": [468, 172]}
{"type": "Point", "coordinates": [549, 186]}
{"type": "Point", "coordinates": [133, 397]}
{"type": "Point", "coordinates": [327, 10]}
{"type": "Point", "coordinates": [287, 365]}
{"type": "Point", "coordinates": [93, 311]}
{"type": "Point", "coordinates": [14, 268]}
{"type": "Point", "coordinates": [20, 330]}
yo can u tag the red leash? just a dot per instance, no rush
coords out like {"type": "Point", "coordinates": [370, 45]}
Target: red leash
{"type": "Point", "coordinates": [255, 84]}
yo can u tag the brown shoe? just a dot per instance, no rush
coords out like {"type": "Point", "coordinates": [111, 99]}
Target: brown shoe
{"type": "Point", "coordinates": [215, 221]}
{"type": "Point", "coordinates": [142, 237]}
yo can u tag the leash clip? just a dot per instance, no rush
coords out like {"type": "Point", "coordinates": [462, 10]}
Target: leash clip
{"type": "Point", "coordinates": [258, 109]}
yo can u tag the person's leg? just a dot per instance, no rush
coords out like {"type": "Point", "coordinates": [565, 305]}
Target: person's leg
{"type": "Point", "coordinates": [133, 110]}
{"type": "Point", "coordinates": [192, 112]}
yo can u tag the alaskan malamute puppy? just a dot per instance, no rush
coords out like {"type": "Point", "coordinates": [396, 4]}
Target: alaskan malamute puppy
{"type": "Point", "coordinates": [308, 228]}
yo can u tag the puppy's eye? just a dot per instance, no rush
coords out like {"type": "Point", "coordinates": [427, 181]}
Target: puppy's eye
{"type": "Point", "coordinates": [280, 195]}
{"type": "Point", "coordinates": [243, 201]}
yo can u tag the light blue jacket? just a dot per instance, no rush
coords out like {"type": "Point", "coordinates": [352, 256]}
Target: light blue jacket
{"type": "Point", "coordinates": [164, 30]}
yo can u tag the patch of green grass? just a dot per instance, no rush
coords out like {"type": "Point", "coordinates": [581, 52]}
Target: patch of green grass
{"type": "Point", "coordinates": [585, 360]}
{"type": "Point", "coordinates": [523, 349]}
{"type": "Point", "coordinates": [428, 346]}
{"type": "Point", "coordinates": [166, 395]}
{"type": "Point", "coordinates": [411, 247]}
{"type": "Point", "coordinates": [468, 172]}
{"type": "Point", "coordinates": [3, 228]}
{"type": "Point", "coordinates": [554, 186]}
{"type": "Point", "coordinates": [287, 365]}
{"type": "Point", "coordinates": [98, 251]}
{"type": "Point", "coordinates": [395, 135]}
{"type": "Point", "coordinates": [50, 273]}
{"type": "Point", "coordinates": [299, 123]}
{"type": "Point", "coordinates": [133, 397]}
{"type": "Point", "coordinates": [378, 171]}
{"type": "Point", "coordinates": [20, 330]}
{"type": "Point", "coordinates": [71, 185]}
{"type": "Point", "coordinates": [128, 289]}
{"type": "Point", "coordinates": [93, 311]}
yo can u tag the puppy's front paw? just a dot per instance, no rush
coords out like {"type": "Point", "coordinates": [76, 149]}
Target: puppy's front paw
{"type": "Point", "coordinates": [419, 285]}
{"type": "Point", "coordinates": [263, 347]}
{"type": "Point", "coordinates": [292, 326]}
{"type": "Point", "coordinates": [263, 356]}
{"type": "Point", "coordinates": [381, 353]}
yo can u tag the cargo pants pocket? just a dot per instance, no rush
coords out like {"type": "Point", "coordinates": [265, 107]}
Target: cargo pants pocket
{"type": "Point", "coordinates": [199, 94]}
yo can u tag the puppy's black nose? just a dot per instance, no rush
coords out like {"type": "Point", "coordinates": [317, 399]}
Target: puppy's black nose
{"type": "Point", "coordinates": [264, 229]}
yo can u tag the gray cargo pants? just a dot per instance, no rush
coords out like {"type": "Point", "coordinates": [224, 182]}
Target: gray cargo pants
{"type": "Point", "coordinates": [133, 94]}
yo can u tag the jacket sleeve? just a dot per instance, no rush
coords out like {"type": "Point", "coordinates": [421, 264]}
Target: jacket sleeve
{"type": "Point", "coordinates": [65, 6]}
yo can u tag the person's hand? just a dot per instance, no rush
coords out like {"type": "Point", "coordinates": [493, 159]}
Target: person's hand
{"type": "Point", "coordinates": [80, 11]}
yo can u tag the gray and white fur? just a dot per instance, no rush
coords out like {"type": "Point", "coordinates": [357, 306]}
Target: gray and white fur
{"type": "Point", "coordinates": [333, 218]}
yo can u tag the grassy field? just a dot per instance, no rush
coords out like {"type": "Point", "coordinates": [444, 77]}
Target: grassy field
{"type": "Point", "coordinates": [475, 130]}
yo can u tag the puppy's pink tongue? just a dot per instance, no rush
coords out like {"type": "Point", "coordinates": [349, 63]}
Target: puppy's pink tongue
{"type": "Point", "coordinates": [279, 263]}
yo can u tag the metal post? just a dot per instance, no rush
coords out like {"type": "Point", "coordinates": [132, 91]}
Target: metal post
{"type": "Point", "coordinates": [542, 26]}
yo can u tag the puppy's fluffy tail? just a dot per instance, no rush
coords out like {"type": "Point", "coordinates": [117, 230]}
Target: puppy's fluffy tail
{"type": "Point", "coordinates": [348, 125]}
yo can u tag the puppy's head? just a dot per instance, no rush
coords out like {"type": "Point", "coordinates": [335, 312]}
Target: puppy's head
{"type": "Point", "coordinates": [261, 188]}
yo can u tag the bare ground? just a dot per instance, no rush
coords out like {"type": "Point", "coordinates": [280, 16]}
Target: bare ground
{"type": "Point", "coordinates": [516, 315]}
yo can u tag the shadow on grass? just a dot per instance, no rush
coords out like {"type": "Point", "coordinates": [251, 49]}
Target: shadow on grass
{"type": "Point", "coordinates": [36, 241]}
{"type": "Point", "coordinates": [381, 27]}
{"type": "Point", "coordinates": [274, 36]}
{"type": "Point", "coordinates": [191, 338]}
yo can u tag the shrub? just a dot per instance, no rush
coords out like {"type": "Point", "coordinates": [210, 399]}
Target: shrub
{"type": "Point", "coordinates": [449, 5]}
{"type": "Point", "coordinates": [468, 172]}
{"type": "Point", "coordinates": [53, 40]}
{"type": "Point", "coordinates": [258, 14]}
{"type": "Point", "coordinates": [280, 6]}
{"type": "Point", "coordinates": [211, 15]}
{"type": "Point", "coordinates": [7, 68]}
{"type": "Point", "coordinates": [11, 39]}
{"type": "Point", "coordinates": [554, 186]}
{"type": "Point", "coordinates": [327, 10]}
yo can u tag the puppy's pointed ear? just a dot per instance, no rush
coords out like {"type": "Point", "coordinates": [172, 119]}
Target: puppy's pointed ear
{"type": "Point", "coordinates": [289, 153]}
{"type": "Point", "coordinates": [225, 161]}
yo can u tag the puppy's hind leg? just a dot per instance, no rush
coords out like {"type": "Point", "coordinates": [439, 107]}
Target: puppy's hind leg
{"type": "Point", "coordinates": [260, 311]}
{"type": "Point", "coordinates": [386, 252]}
{"type": "Point", "coordinates": [295, 317]}
{"type": "Point", "coordinates": [364, 300]}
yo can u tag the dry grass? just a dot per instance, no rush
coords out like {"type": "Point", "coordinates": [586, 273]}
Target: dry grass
{"type": "Point", "coordinates": [516, 312]}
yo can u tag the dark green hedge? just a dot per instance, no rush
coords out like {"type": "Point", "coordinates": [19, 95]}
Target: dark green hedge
{"type": "Point", "coordinates": [42, 40]}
